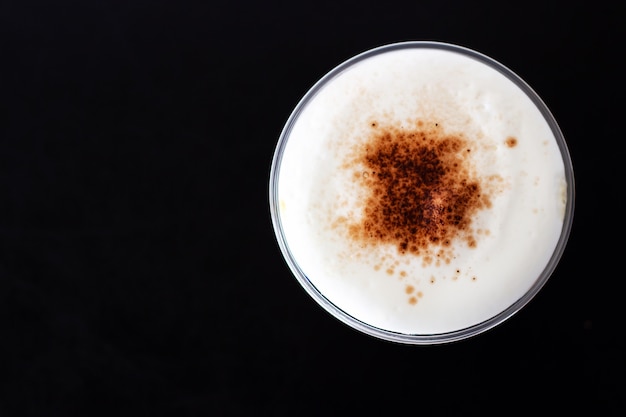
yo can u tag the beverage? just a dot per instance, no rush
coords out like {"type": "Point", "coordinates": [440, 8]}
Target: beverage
{"type": "Point", "coordinates": [421, 192]}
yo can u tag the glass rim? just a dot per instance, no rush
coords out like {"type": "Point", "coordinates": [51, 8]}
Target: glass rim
{"type": "Point", "coordinates": [420, 338]}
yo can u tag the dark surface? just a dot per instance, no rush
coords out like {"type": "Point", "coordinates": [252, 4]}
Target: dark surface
{"type": "Point", "coordinates": [139, 274]}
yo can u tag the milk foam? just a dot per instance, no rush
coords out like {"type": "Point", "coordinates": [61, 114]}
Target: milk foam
{"type": "Point", "coordinates": [513, 150]}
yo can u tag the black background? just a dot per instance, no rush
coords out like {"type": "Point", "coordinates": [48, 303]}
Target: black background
{"type": "Point", "coordinates": [139, 273]}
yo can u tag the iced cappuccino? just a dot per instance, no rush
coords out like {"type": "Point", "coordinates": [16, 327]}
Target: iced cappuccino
{"type": "Point", "coordinates": [421, 192]}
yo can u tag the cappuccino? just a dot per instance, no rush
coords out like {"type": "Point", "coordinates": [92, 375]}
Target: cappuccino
{"type": "Point", "coordinates": [421, 192]}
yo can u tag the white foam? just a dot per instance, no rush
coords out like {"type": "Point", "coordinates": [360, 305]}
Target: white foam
{"type": "Point", "coordinates": [516, 236]}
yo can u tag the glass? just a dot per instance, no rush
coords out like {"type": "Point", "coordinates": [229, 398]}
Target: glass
{"type": "Point", "coordinates": [336, 310]}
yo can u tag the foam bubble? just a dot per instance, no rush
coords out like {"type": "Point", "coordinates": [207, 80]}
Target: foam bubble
{"type": "Point", "coordinates": [413, 180]}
